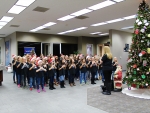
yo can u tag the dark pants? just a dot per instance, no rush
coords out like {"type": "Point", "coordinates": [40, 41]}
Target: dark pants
{"type": "Point", "coordinates": [40, 81]}
{"type": "Point", "coordinates": [77, 73]}
{"type": "Point", "coordinates": [51, 79]}
{"type": "Point", "coordinates": [46, 78]}
{"type": "Point", "coordinates": [107, 77]}
{"type": "Point", "coordinates": [14, 74]}
{"type": "Point", "coordinates": [71, 78]}
{"type": "Point", "coordinates": [93, 77]}
{"type": "Point", "coordinates": [18, 78]}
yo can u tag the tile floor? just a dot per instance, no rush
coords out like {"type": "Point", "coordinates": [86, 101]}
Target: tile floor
{"type": "Point", "coordinates": [68, 100]}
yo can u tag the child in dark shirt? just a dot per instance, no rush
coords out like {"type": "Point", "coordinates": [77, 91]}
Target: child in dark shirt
{"type": "Point", "coordinates": [40, 76]}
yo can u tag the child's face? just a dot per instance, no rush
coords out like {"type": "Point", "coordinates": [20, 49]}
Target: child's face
{"type": "Point", "coordinates": [40, 63]}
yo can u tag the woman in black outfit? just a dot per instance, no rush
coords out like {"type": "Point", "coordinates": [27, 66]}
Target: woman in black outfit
{"type": "Point", "coordinates": [72, 71]}
{"type": "Point", "coordinates": [107, 70]}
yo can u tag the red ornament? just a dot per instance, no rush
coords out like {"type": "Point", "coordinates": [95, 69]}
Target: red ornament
{"type": "Point", "coordinates": [136, 31]}
{"type": "Point", "coordinates": [134, 66]}
{"type": "Point", "coordinates": [142, 53]}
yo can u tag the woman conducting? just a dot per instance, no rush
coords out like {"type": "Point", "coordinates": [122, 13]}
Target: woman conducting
{"type": "Point", "coordinates": [107, 70]}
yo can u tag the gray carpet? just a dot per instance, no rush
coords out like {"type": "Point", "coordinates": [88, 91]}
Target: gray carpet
{"type": "Point", "coordinates": [117, 102]}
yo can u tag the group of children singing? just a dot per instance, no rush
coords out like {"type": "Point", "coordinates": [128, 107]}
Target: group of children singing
{"type": "Point", "coordinates": [41, 71]}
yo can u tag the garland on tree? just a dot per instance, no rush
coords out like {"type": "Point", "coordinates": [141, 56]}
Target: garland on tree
{"type": "Point", "coordinates": [138, 66]}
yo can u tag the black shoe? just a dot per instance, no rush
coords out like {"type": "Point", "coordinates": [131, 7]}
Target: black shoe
{"type": "Point", "coordinates": [117, 90]}
{"type": "Point", "coordinates": [106, 93]}
{"type": "Point", "coordinates": [94, 83]}
{"type": "Point", "coordinates": [61, 86]}
{"type": "Point", "coordinates": [54, 87]}
{"type": "Point", "coordinates": [14, 82]}
{"type": "Point", "coordinates": [51, 88]}
{"type": "Point", "coordinates": [63, 83]}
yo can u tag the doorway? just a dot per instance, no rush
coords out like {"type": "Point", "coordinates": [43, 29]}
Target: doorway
{"type": "Point", "coordinates": [45, 48]}
{"type": "Point", "coordinates": [101, 50]}
{"type": "Point", "coordinates": [56, 49]}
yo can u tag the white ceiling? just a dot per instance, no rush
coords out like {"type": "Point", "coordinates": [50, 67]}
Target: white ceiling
{"type": "Point", "coordinates": [29, 19]}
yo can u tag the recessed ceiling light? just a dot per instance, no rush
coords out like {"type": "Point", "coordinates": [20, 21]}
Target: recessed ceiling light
{"type": "Point", "coordinates": [99, 24]}
{"type": "Point", "coordinates": [118, 0]}
{"type": "Point", "coordinates": [24, 2]}
{"type": "Point", "coordinates": [66, 18]}
{"type": "Point", "coordinates": [6, 19]}
{"type": "Point", "coordinates": [104, 34]}
{"type": "Point", "coordinates": [81, 12]}
{"type": "Point", "coordinates": [130, 17]}
{"type": "Point", "coordinates": [101, 5]}
{"type": "Point", "coordinates": [49, 24]}
{"type": "Point", "coordinates": [1, 27]}
{"type": "Point", "coordinates": [128, 27]}
{"type": "Point", "coordinates": [3, 23]}
{"type": "Point", "coordinates": [95, 33]}
{"type": "Point", "coordinates": [115, 20]}
{"type": "Point", "coordinates": [16, 9]}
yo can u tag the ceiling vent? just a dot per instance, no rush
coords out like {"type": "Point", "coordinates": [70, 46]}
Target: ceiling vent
{"type": "Point", "coordinates": [46, 29]}
{"type": "Point", "coordinates": [41, 9]}
{"type": "Point", "coordinates": [14, 25]}
{"type": "Point", "coordinates": [81, 17]}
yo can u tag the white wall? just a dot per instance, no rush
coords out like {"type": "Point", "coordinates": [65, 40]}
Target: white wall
{"type": "Point", "coordinates": [2, 45]}
{"type": "Point", "coordinates": [13, 45]}
{"type": "Point", "coordinates": [119, 39]}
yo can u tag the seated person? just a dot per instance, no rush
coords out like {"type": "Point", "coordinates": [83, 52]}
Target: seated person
{"type": "Point", "coordinates": [118, 79]}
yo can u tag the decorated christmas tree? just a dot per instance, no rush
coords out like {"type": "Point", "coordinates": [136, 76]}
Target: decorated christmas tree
{"type": "Point", "coordinates": [138, 66]}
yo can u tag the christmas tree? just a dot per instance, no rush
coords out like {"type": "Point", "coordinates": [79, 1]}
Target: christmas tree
{"type": "Point", "coordinates": [138, 66]}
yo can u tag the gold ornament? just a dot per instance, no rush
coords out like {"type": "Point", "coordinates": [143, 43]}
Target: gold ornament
{"type": "Point", "coordinates": [148, 50]}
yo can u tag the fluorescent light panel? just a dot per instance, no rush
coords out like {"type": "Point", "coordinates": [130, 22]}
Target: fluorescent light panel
{"type": "Point", "coordinates": [118, 0]}
{"type": "Point", "coordinates": [128, 27]}
{"type": "Point", "coordinates": [99, 24]}
{"type": "Point", "coordinates": [130, 17]}
{"type": "Point", "coordinates": [6, 19]}
{"type": "Point", "coordinates": [66, 18]}
{"type": "Point", "coordinates": [104, 34]}
{"type": "Point", "coordinates": [1, 27]}
{"type": "Point", "coordinates": [115, 20]}
{"type": "Point", "coordinates": [101, 5]}
{"type": "Point", "coordinates": [43, 26]}
{"type": "Point", "coordinates": [95, 33]}
{"type": "Point", "coordinates": [69, 31]}
{"type": "Point", "coordinates": [49, 24]}
{"type": "Point", "coordinates": [77, 29]}
{"type": "Point", "coordinates": [16, 9]}
{"type": "Point", "coordinates": [24, 2]}
{"type": "Point", "coordinates": [3, 23]}
{"type": "Point", "coordinates": [81, 12]}
{"type": "Point", "coordinates": [34, 30]}
{"type": "Point", "coordinates": [40, 27]}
